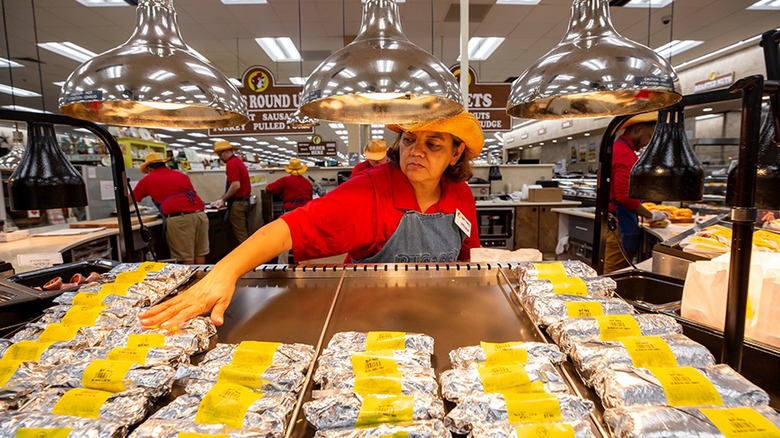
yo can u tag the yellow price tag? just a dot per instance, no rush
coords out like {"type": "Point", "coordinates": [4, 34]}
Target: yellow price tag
{"type": "Point", "coordinates": [649, 351]}
{"type": "Point", "coordinates": [27, 350]}
{"type": "Point", "coordinates": [570, 286]}
{"type": "Point", "coordinates": [8, 368]}
{"type": "Point", "coordinates": [226, 403]}
{"type": "Point", "coordinates": [58, 332]}
{"type": "Point", "coordinates": [376, 410]}
{"type": "Point", "coordinates": [81, 402]}
{"type": "Point", "coordinates": [613, 327]}
{"type": "Point", "coordinates": [106, 375]}
{"type": "Point", "coordinates": [82, 315]}
{"type": "Point", "coordinates": [396, 435]}
{"type": "Point", "coordinates": [250, 376]}
{"type": "Point", "coordinates": [741, 423]}
{"type": "Point", "coordinates": [201, 435]}
{"type": "Point", "coordinates": [546, 430]}
{"type": "Point", "coordinates": [584, 309]}
{"type": "Point", "coordinates": [146, 340]}
{"type": "Point", "coordinates": [506, 379]}
{"type": "Point", "coordinates": [686, 386]}
{"type": "Point", "coordinates": [533, 408]}
{"type": "Point", "coordinates": [128, 279]}
{"type": "Point", "coordinates": [550, 271]}
{"type": "Point", "coordinates": [255, 353]}
{"type": "Point", "coordinates": [386, 341]}
{"type": "Point", "coordinates": [376, 372]}
{"type": "Point", "coordinates": [132, 354]}
{"type": "Point", "coordinates": [150, 267]}
{"type": "Point", "coordinates": [43, 432]}
{"type": "Point", "coordinates": [504, 353]}
{"type": "Point", "coordinates": [115, 289]}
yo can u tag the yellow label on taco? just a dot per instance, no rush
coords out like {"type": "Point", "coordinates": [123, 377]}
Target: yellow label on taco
{"type": "Point", "coordinates": [106, 375]}
{"type": "Point", "coordinates": [507, 379]}
{"type": "Point", "coordinates": [26, 350]}
{"type": "Point", "coordinates": [686, 386]}
{"type": "Point", "coordinates": [545, 430]}
{"type": "Point", "coordinates": [255, 353]}
{"type": "Point", "coordinates": [613, 327]}
{"type": "Point", "coordinates": [8, 368]}
{"type": "Point", "coordinates": [532, 408]}
{"type": "Point", "coordinates": [250, 376]}
{"type": "Point", "coordinates": [741, 423]}
{"type": "Point", "coordinates": [504, 353]}
{"type": "Point", "coordinates": [649, 351]}
{"type": "Point", "coordinates": [550, 271]}
{"type": "Point", "coordinates": [132, 354]}
{"type": "Point", "coordinates": [145, 340]}
{"type": "Point", "coordinates": [226, 403]}
{"type": "Point", "coordinates": [82, 315]}
{"type": "Point", "coordinates": [377, 410]}
{"type": "Point", "coordinates": [58, 332]}
{"type": "Point", "coordinates": [43, 432]}
{"type": "Point", "coordinates": [583, 309]}
{"type": "Point", "coordinates": [376, 372]}
{"type": "Point", "coordinates": [81, 402]}
{"type": "Point", "coordinates": [570, 286]}
{"type": "Point", "coordinates": [386, 341]}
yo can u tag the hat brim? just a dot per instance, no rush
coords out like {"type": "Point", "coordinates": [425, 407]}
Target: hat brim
{"type": "Point", "coordinates": [376, 156]}
{"type": "Point", "coordinates": [145, 164]}
{"type": "Point", "coordinates": [464, 126]}
{"type": "Point", "coordinates": [300, 170]}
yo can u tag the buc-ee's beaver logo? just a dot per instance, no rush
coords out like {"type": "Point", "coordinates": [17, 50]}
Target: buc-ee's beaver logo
{"type": "Point", "coordinates": [258, 81]}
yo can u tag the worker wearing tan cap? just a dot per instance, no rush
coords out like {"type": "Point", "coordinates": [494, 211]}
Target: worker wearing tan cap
{"type": "Point", "coordinates": [237, 189]}
{"type": "Point", "coordinates": [376, 155]}
{"type": "Point", "coordinates": [625, 152]}
{"type": "Point", "coordinates": [417, 208]}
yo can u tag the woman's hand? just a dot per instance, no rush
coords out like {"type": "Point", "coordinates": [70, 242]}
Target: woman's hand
{"type": "Point", "coordinates": [212, 293]}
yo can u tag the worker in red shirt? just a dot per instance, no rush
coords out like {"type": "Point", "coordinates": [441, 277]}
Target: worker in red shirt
{"type": "Point", "coordinates": [415, 209]}
{"type": "Point", "coordinates": [294, 189]}
{"type": "Point", "coordinates": [186, 224]}
{"type": "Point", "coordinates": [376, 155]}
{"type": "Point", "coordinates": [237, 189]}
{"type": "Point", "coordinates": [625, 152]}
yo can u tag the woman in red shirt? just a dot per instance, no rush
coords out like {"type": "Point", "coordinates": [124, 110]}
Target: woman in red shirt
{"type": "Point", "coordinates": [295, 189]}
{"type": "Point", "coordinates": [417, 208]}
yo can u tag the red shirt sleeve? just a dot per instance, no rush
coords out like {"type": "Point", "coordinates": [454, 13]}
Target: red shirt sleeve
{"type": "Point", "coordinates": [275, 187]}
{"type": "Point", "coordinates": [623, 159]}
{"type": "Point", "coordinates": [140, 191]}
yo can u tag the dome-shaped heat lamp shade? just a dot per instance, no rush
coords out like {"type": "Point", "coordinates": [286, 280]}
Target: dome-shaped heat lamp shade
{"type": "Point", "coordinates": [668, 169]}
{"type": "Point", "coordinates": [594, 72]}
{"type": "Point", "coordinates": [154, 79]}
{"type": "Point", "coordinates": [767, 171]}
{"type": "Point", "coordinates": [44, 178]}
{"type": "Point", "coordinates": [381, 77]}
{"type": "Point", "coordinates": [300, 120]}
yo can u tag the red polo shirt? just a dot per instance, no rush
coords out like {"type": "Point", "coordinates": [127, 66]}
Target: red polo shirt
{"type": "Point", "coordinates": [624, 156]}
{"type": "Point", "coordinates": [294, 189]}
{"type": "Point", "coordinates": [236, 171]}
{"type": "Point", "coordinates": [168, 189]}
{"type": "Point", "coordinates": [360, 215]}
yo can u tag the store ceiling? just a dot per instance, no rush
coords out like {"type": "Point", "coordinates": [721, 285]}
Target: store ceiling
{"type": "Point", "coordinates": [225, 34]}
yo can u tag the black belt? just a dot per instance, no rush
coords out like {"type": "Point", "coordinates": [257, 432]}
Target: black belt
{"type": "Point", "coordinates": [181, 213]}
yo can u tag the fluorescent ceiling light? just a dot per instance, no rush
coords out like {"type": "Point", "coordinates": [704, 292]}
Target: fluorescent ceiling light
{"type": "Point", "coordinates": [297, 80]}
{"type": "Point", "coordinates": [675, 47]}
{"type": "Point", "coordinates": [765, 5]}
{"type": "Point", "coordinates": [644, 3]}
{"type": "Point", "coordinates": [16, 91]}
{"type": "Point", "coordinates": [5, 63]}
{"type": "Point", "coordinates": [23, 108]}
{"type": "Point", "coordinates": [161, 135]}
{"type": "Point", "coordinates": [69, 50]}
{"type": "Point", "coordinates": [236, 82]}
{"type": "Point", "coordinates": [706, 110]}
{"type": "Point", "coordinates": [244, 2]}
{"type": "Point", "coordinates": [280, 49]}
{"type": "Point", "coordinates": [517, 2]}
{"type": "Point", "coordinates": [480, 48]}
{"type": "Point", "coordinates": [707, 116]}
{"type": "Point", "coordinates": [197, 134]}
{"type": "Point", "coordinates": [101, 3]}
{"type": "Point", "coordinates": [186, 140]}
{"type": "Point", "coordinates": [718, 52]}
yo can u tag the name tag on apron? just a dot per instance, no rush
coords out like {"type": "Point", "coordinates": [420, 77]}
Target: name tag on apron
{"type": "Point", "coordinates": [462, 222]}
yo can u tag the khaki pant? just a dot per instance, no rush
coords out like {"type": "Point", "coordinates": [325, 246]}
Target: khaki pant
{"type": "Point", "coordinates": [188, 236]}
{"type": "Point", "coordinates": [238, 220]}
{"type": "Point", "coordinates": [613, 258]}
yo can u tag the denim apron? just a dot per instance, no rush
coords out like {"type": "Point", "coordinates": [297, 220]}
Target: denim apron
{"type": "Point", "coordinates": [421, 238]}
{"type": "Point", "coordinates": [628, 224]}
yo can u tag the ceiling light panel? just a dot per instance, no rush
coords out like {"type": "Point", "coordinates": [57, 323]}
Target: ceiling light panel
{"type": "Point", "coordinates": [518, 2]}
{"type": "Point", "coordinates": [765, 5]}
{"type": "Point", "coordinates": [655, 4]}
{"type": "Point", "coordinates": [244, 2]}
{"type": "Point", "coordinates": [280, 49]}
{"type": "Point", "coordinates": [480, 48]}
{"type": "Point", "coordinates": [5, 63]}
{"type": "Point", "coordinates": [676, 47]}
{"type": "Point", "coordinates": [69, 50]}
{"type": "Point", "coordinates": [103, 3]}
{"type": "Point", "coordinates": [16, 91]}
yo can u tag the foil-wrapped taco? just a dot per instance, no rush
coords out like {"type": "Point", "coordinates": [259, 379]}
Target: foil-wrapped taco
{"type": "Point", "coordinates": [507, 352]}
{"type": "Point", "coordinates": [63, 335]}
{"type": "Point", "coordinates": [714, 385]}
{"type": "Point", "coordinates": [608, 328]}
{"type": "Point", "coordinates": [261, 353]}
{"type": "Point", "coordinates": [350, 410]}
{"type": "Point", "coordinates": [265, 379]}
{"type": "Point", "coordinates": [91, 315]}
{"type": "Point", "coordinates": [664, 422]}
{"type": "Point", "coordinates": [48, 353]}
{"type": "Point", "coordinates": [549, 309]}
{"type": "Point", "coordinates": [409, 381]}
{"type": "Point", "coordinates": [126, 407]}
{"type": "Point", "coordinates": [193, 336]}
{"type": "Point", "coordinates": [595, 287]}
{"type": "Point", "coordinates": [673, 349]}
{"type": "Point", "coordinates": [525, 271]}
{"type": "Point", "coordinates": [158, 428]}
{"type": "Point", "coordinates": [11, 423]}
{"type": "Point", "coordinates": [516, 409]}
{"type": "Point", "coordinates": [402, 358]}
{"type": "Point", "coordinates": [362, 341]}
{"type": "Point", "coordinates": [459, 384]}
{"type": "Point", "coordinates": [171, 356]}
{"type": "Point", "coordinates": [113, 376]}
{"type": "Point", "coordinates": [416, 429]}
{"type": "Point", "coordinates": [577, 429]}
{"type": "Point", "coordinates": [19, 380]}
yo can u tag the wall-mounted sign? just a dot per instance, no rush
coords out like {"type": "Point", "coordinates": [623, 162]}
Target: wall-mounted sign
{"type": "Point", "coordinates": [541, 131]}
{"type": "Point", "coordinates": [487, 102]}
{"type": "Point", "coordinates": [566, 124]}
{"type": "Point", "coordinates": [713, 81]}
{"type": "Point", "coordinates": [318, 149]}
{"type": "Point", "coordinates": [270, 105]}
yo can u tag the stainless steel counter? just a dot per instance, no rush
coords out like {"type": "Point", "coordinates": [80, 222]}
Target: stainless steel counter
{"type": "Point", "coordinates": [456, 304]}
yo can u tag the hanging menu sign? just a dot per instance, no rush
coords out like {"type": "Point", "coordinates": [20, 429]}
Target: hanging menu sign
{"type": "Point", "coordinates": [269, 104]}
{"type": "Point", "coordinates": [316, 148]}
{"type": "Point", "coordinates": [487, 102]}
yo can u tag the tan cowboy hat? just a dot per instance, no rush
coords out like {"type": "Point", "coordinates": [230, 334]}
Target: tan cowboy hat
{"type": "Point", "coordinates": [641, 118]}
{"type": "Point", "coordinates": [376, 149]}
{"type": "Point", "coordinates": [296, 167]}
{"type": "Point", "coordinates": [152, 158]}
{"type": "Point", "coordinates": [222, 145]}
{"type": "Point", "coordinates": [464, 126]}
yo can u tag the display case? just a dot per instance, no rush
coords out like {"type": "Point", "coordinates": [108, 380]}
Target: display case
{"type": "Point", "coordinates": [135, 150]}
{"type": "Point", "coordinates": [578, 189]}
